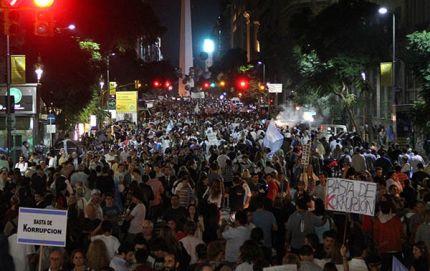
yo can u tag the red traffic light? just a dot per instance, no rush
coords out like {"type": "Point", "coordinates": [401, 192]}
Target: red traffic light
{"type": "Point", "coordinates": [167, 84]}
{"type": "Point", "coordinates": [43, 3]}
{"type": "Point", "coordinates": [243, 83]}
{"type": "Point", "coordinates": [206, 85]}
{"type": "Point", "coordinates": [11, 3]}
{"type": "Point", "coordinates": [156, 84]}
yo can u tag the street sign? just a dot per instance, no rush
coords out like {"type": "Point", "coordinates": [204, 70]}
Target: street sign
{"type": "Point", "coordinates": [45, 227]}
{"type": "Point", "coordinates": [274, 88]}
{"type": "Point", "coordinates": [51, 118]}
{"type": "Point", "coordinates": [51, 129]}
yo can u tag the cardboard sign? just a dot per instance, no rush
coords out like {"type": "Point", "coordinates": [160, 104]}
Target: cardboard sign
{"type": "Point", "coordinates": [306, 154]}
{"type": "Point", "coordinates": [350, 196]}
{"type": "Point", "coordinates": [44, 227]}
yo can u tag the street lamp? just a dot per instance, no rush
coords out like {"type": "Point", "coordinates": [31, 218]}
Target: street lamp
{"type": "Point", "coordinates": [383, 11]}
{"type": "Point", "coordinates": [209, 49]}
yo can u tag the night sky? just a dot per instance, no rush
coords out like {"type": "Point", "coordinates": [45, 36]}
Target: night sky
{"type": "Point", "coordinates": [204, 17]}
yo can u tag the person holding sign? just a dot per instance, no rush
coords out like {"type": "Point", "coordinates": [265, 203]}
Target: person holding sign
{"type": "Point", "coordinates": [388, 234]}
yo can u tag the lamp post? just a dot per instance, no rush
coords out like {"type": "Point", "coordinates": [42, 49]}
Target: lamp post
{"type": "Point", "coordinates": [383, 11]}
{"type": "Point", "coordinates": [38, 69]}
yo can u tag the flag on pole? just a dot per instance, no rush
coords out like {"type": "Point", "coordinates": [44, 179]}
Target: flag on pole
{"type": "Point", "coordinates": [273, 139]}
{"type": "Point", "coordinates": [397, 265]}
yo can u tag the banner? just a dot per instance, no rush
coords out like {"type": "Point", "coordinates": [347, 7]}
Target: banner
{"type": "Point", "coordinates": [126, 102]}
{"type": "Point", "coordinates": [112, 88]}
{"type": "Point", "coordinates": [386, 74]}
{"type": "Point", "coordinates": [351, 196]}
{"type": "Point", "coordinates": [17, 69]}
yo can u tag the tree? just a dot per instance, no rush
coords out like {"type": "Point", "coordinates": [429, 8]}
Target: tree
{"type": "Point", "coordinates": [332, 59]}
{"type": "Point", "coordinates": [418, 57]}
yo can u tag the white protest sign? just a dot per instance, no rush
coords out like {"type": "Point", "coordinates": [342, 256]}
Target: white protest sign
{"type": "Point", "coordinates": [306, 153]}
{"type": "Point", "coordinates": [285, 267]}
{"type": "Point", "coordinates": [45, 227]}
{"type": "Point", "coordinates": [350, 196]}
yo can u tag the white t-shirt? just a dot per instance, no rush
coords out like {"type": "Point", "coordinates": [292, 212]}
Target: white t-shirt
{"type": "Point", "coordinates": [138, 213]}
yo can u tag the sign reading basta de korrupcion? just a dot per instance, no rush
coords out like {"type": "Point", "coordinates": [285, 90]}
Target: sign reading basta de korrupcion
{"type": "Point", "coordinates": [350, 196]}
{"type": "Point", "coordinates": [45, 227]}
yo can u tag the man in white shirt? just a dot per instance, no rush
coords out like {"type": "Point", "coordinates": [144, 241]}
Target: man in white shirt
{"type": "Point", "coordinates": [235, 237]}
{"type": "Point", "coordinates": [112, 243]}
{"type": "Point", "coordinates": [190, 242]}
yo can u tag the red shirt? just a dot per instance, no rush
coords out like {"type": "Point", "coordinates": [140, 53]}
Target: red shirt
{"type": "Point", "coordinates": [272, 191]}
{"type": "Point", "coordinates": [388, 235]}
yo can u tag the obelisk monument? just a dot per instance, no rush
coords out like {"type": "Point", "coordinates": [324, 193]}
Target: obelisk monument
{"type": "Point", "coordinates": [186, 44]}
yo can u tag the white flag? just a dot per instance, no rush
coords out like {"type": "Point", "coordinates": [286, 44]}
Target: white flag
{"type": "Point", "coordinates": [273, 139]}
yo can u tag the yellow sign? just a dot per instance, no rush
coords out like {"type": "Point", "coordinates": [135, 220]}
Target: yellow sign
{"type": "Point", "coordinates": [112, 88]}
{"type": "Point", "coordinates": [126, 101]}
{"type": "Point", "coordinates": [17, 69]}
{"type": "Point", "coordinates": [386, 74]}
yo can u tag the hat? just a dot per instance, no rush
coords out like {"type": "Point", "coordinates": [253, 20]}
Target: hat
{"type": "Point", "coordinates": [95, 191]}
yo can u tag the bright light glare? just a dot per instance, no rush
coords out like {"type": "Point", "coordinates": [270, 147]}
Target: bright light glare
{"type": "Point", "coordinates": [307, 116]}
{"type": "Point", "coordinates": [208, 46]}
{"type": "Point", "coordinates": [382, 10]}
{"type": "Point", "coordinates": [39, 73]}
{"type": "Point", "coordinates": [221, 97]}
{"type": "Point", "coordinates": [43, 3]}
{"type": "Point", "coordinates": [71, 27]}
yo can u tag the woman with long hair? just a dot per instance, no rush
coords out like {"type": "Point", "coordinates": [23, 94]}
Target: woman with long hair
{"type": "Point", "coordinates": [421, 257]}
{"type": "Point", "coordinates": [215, 193]}
{"type": "Point", "coordinates": [193, 215]}
{"type": "Point", "coordinates": [97, 255]}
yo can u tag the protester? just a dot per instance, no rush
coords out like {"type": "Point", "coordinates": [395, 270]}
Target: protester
{"type": "Point", "coordinates": [149, 195]}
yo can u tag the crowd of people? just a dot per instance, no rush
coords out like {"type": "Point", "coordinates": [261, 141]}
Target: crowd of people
{"type": "Point", "coordinates": [161, 194]}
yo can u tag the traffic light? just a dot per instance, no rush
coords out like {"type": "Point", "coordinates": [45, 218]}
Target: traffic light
{"type": "Point", "coordinates": [167, 84]}
{"type": "Point", "coordinates": [242, 83]}
{"type": "Point", "coordinates": [222, 83]}
{"type": "Point", "coordinates": [43, 3]}
{"type": "Point", "coordinates": [206, 85]}
{"type": "Point", "coordinates": [11, 21]}
{"type": "Point", "coordinates": [44, 25]}
{"type": "Point", "coordinates": [156, 84]}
